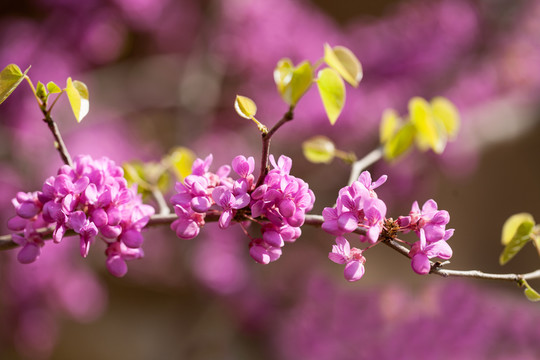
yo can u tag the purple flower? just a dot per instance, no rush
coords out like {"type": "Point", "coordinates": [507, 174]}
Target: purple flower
{"type": "Point", "coordinates": [430, 219]}
{"type": "Point", "coordinates": [225, 198]}
{"type": "Point", "coordinates": [91, 198]}
{"type": "Point", "coordinates": [352, 258]}
{"type": "Point", "coordinates": [423, 250]}
{"type": "Point", "coordinates": [357, 205]}
{"type": "Point", "coordinates": [262, 252]}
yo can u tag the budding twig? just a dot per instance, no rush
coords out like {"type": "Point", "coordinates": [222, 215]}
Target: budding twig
{"type": "Point", "coordinates": [58, 141]}
{"type": "Point", "coordinates": [6, 243]}
{"type": "Point", "coordinates": [360, 165]}
{"type": "Point", "coordinates": [266, 137]}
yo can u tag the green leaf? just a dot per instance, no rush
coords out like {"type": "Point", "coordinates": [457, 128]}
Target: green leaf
{"type": "Point", "coordinates": [448, 114]}
{"type": "Point", "coordinates": [301, 80]}
{"type": "Point", "coordinates": [430, 132]}
{"type": "Point", "coordinates": [390, 123]}
{"type": "Point", "coordinates": [282, 76]}
{"type": "Point", "coordinates": [134, 174]}
{"type": "Point", "coordinates": [530, 293]}
{"type": "Point", "coordinates": [245, 107]}
{"type": "Point", "coordinates": [53, 88]}
{"type": "Point", "coordinates": [521, 237]}
{"type": "Point", "coordinates": [293, 82]}
{"type": "Point", "coordinates": [40, 90]}
{"type": "Point", "coordinates": [181, 160]}
{"type": "Point", "coordinates": [512, 224]}
{"type": "Point", "coordinates": [398, 144]}
{"type": "Point", "coordinates": [332, 92]}
{"type": "Point", "coordinates": [344, 62]}
{"type": "Point", "coordinates": [77, 93]}
{"type": "Point", "coordinates": [319, 149]}
{"type": "Point", "coordinates": [10, 77]}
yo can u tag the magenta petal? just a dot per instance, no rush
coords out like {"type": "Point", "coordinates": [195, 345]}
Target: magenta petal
{"type": "Point", "coordinates": [200, 204]}
{"type": "Point", "coordinates": [58, 233]}
{"type": "Point", "coordinates": [99, 217]}
{"type": "Point", "coordinates": [28, 210]}
{"type": "Point", "coordinates": [347, 222]}
{"type": "Point", "coordinates": [111, 232]}
{"type": "Point", "coordinates": [77, 220]}
{"type": "Point", "coordinates": [287, 207]}
{"type": "Point", "coordinates": [225, 219]}
{"type": "Point", "coordinates": [273, 238]}
{"type": "Point", "coordinates": [185, 229]}
{"type": "Point", "coordinates": [336, 257]}
{"type": "Point", "coordinates": [132, 238]}
{"type": "Point", "coordinates": [91, 194]}
{"type": "Point", "coordinates": [116, 266]}
{"type": "Point", "coordinates": [259, 254]}
{"type": "Point", "coordinates": [80, 185]}
{"type": "Point", "coordinates": [29, 253]}
{"type": "Point", "coordinates": [84, 247]}
{"type": "Point", "coordinates": [331, 227]}
{"type": "Point", "coordinates": [354, 270]}
{"type": "Point", "coordinates": [420, 264]}
{"type": "Point", "coordinates": [114, 216]}
{"type": "Point", "coordinates": [16, 223]}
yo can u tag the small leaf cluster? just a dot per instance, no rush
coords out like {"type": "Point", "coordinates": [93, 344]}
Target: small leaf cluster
{"type": "Point", "coordinates": [293, 82]}
{"type": "Point", "coordinates": [429, 124]}
{"type": "Point", "coordinates": [518, 230]}
{"type": "Point", "coordinates": [156, 176]}
{"type": "Point", "coordinates": [77, 92]}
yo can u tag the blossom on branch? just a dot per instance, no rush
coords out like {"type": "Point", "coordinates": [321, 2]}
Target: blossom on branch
{"type": "Point", "coordinates": [91, 198]}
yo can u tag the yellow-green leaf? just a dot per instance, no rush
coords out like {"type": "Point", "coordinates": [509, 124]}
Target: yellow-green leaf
{"type": "Point", "coordinates": [40, 90]}
{"type": "Point", "coordinates": [344, 62]}
{"type": "Point", "coordinates": [282, 75]}
{"type": "Point", "coordinates": [245, 107]}
{"type": "Point", "coordinates": [134, 174]}
{"type": "Point", "coordinates": [332, 92]}
{"type": "Point", "coordinates": [447, 112]}
{"type": "Point", "coordinates": [10, 77]}
{"type": "Point", "coordinates": [521, 237]}
{"type": "Point", "coordinates": [53, 88]}
{"type": "Point", "coordinates": [398, 144]}
{"type": "Point", "coordinates": [530, 293]}
{"type": "Point", "coordinates": [181, 160]}
{"type": "Point", "coordinates": [293, 82]}
{"type": "Point", "coordinates": [301, 80]}
{"type": "Point", "coordinates": [430, 132]}
{"type": "Point", "coordinates": [389, 125]}
{"type": "Point", "coordinates": [77, 93]}
{"type": "Point", "coordinates": [512, 224]}
{"type": "Point", "coordinates": [319, 149]}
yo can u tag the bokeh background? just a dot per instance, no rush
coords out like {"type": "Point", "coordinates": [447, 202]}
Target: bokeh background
{"type": "Point", "coordinates": [164, 73]}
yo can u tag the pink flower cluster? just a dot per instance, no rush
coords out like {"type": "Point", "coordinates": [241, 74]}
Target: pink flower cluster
{"type": "Point", "coordinates": [357, 206]}
{"type": "Point", "coordinates": [283, 199]}
{"type": "Point", "coordinates": [279, 204]}
{"type": "Point", "coordinates": [430, 226]}
{"type": "Point", "coordinates": [91, 198]}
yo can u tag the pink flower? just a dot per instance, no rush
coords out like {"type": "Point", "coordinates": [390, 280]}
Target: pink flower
{"type": "Point", "coordinates": [352, 258]}
{"type": "Point", "coordinates": [422, 251]}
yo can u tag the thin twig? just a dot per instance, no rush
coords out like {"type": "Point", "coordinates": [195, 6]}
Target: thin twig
{"type": "Point", "coordinates": [6, 243]}
{"type": "Point", "coordinates": [359, 165]}
{"type": "Point", "coordinates": [162, 203]}
{"type": "Point", "coordinates": [58, 141]}
{"type": "Point", "coordinates": [266, 137]}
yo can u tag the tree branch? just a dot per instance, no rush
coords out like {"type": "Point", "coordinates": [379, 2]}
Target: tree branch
{"type": "Point", "coordinates": [360, 165]}
{"type": "Point", "coordinates": [6, 243]}
{"type": "Point", "coordinates": [58, 141]}
{"type": "Point", "coordinates": [266, 137]}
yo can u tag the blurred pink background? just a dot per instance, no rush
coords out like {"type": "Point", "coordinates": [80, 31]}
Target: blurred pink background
{"type": "Point", "coordinates": [164, 73]}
